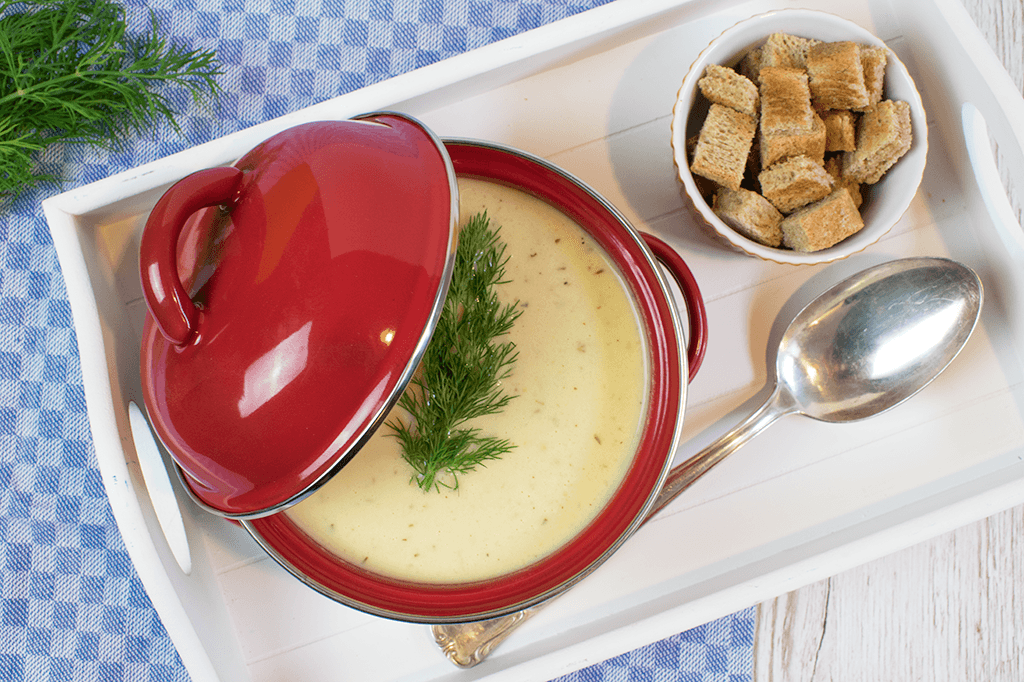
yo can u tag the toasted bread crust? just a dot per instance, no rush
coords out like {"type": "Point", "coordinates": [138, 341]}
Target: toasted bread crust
{"type": "Point", "coordinates": [785, 101]}
{"type": "Point", "coordinates": [783, 49]}
{"type": "Point", "coordinates": [723, 145]}
{"type": "Point", "coordinates": [779, 145]}
{"type": "Point", "coordinates": [840, 130]}
{"type": "Point", "coordinates": [780, 49]}
{"type": "Point", "coordinates": [884, 134]}
{"type": "Point", "coordinates": [837, 75]}
{"type": "Point", "coordinates": [822, 224]}
{"type": "Point", "coordinates": [724, 86]}
{"type": "Point", "coordinates": [874, 60]}
{"type": "Point", "coordinates": [795, 182]}
{"type": "Point", "coordinates": [834, 167]}
{"type": "Point", "coordinates": [750, 214]}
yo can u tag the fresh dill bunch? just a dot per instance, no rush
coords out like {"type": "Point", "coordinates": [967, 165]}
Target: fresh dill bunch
{"type": "Point", "coordinates": [463, 367]}
{"type": "Point", "coordinates": [70, 72]}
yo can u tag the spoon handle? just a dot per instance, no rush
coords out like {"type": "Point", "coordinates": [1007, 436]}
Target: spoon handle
{"type": "Point", "coordinates": [466, 644]}
{"type": "Point", "coordinates": [685, 474]}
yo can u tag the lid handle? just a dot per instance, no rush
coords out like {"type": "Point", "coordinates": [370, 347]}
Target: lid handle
{"type": "Point", "coordinates": [169, 303]}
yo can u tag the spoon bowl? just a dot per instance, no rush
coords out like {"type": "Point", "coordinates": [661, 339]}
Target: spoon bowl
{"type": "Point", "coordinates": [864, 346]}
{"type": "Point", "coordinates": [877, 338]}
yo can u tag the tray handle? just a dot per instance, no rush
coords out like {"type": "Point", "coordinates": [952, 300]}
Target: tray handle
{"type": "Point", "coordinates": [172, 309]}
{"type": "Point", "coordinates": [1009, 279]}
{"type": "Point", "coordinates": [990, 185]}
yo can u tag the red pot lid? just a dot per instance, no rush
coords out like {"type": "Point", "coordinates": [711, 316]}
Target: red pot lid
{"type": "Point", "coordinates": [290, 298]}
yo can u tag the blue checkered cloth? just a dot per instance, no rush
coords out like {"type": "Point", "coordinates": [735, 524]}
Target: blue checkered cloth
{"type": "Point", "coordinates": [71, 605]}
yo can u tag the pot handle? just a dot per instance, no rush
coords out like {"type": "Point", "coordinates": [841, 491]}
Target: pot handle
{"type": "Point", "coordinates": [697, 338]}
{"type": "Point", "coordinates": [175, 313]}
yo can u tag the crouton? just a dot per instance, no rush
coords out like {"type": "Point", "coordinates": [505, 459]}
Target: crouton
{"type": "Point", "coordinates": [874, 60]}
{"type": "Point", "coordinates": [776, 146]}
{"type": "Point", "coordinates": [795, 182]}
{"type": "Point", "coordinates": [840, 130]}
{"type": "Point", "coordinates": [822, 224]}
{"type": "Point", "coordinates": [750, 66]}
{"type": "Point", "coordinates": [783, 49]}
{"type": "Point", "coordinates": [837, 75]}
{"type": "Point", "coordinates": [780, 49]}
{"type": "Point", "coordinates": [834, 167]}
{"type": "Point", "coordinates": [723, 145]}
{"type": "Point", "coordinates": [785, 101]}
{"type": "Point", "coordinates": [750, 214]}
{"type": "Point", "coordinates": [884, 135]}
{"type": "Point", "coordinates": [705, 187]}
{"type": "Point", "coordinates": [724, 86]}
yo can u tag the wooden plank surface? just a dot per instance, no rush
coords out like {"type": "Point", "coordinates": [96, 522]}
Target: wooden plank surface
{"type": "Point", "coordinates": [949, 609]}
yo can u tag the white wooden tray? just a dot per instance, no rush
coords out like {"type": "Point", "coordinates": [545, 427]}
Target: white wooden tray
{"type": "Point", "coordinates": [805, 500]}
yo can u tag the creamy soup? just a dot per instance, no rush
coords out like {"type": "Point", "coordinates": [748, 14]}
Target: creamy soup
{"type": "Point", "coordinates": [581, 386]}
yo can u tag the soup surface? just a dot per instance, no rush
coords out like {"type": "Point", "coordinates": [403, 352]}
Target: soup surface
{"type": "Point", "coordinates": [581, 386]}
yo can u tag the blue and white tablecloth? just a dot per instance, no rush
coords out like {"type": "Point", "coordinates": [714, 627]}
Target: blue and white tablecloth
{"type": "Point", "coordinates": [71, 606]}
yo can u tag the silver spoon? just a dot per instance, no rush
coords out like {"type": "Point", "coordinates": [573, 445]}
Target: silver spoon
{"type": "Point", "coordinates": [862, 347]}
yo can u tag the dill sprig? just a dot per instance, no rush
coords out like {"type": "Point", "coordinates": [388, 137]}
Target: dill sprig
{"type": "Point", "coordinates": [70, 72]}
{"type": "Point", "coordinates": [463, 367]}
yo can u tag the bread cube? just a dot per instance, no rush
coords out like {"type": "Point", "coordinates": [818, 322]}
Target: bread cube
{"type": "Point", "coordinates": [723, 145]}
{"type": "Point", "coordinates": [780, 49]}
{"type": "Point", "coordinates": [834, 167]}
{"type": "Point", "coordinates": [837, 75]}
{"type": "Point", "coordinates": [724, 86]}
{"type": "Point", "coordinates": [750, 214]}
{"type": "Point", "coordinates": [840, 130]}
{"type": "Point", "coordinates": [795, 182]}
{"type": "Point", "coordinates": [822, 224]}
{"type": "Point", "coordinates": [884, 134]}
{"type": "Point", "coordinates": [779, 145]}
{"type": "Point", "coordinates": [874, 60]}
{"type": "Point", "coordinates": [785, 101]}
{"type": "Point", "coordinates": [750, 66]}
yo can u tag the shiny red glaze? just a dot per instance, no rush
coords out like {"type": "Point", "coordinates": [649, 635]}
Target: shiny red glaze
{"type": "Point", "coordinates": [315, 288]}
{"type": "Point", "coordinates": [424, 602]}
{"type": "Point", "coordinates": [697, 339]}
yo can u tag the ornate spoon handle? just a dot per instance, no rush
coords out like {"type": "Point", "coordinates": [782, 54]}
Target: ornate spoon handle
{"type": "Point", "coordinates": [466, 644]}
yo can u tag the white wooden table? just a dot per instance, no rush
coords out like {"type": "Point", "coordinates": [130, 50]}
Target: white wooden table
{"type": "Point", "coordinates": [948, 609]}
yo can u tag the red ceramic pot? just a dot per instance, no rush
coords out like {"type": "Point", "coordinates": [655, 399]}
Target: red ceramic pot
{"type": "Point", "coordinates": [671, 363]}
{"type": "Point", "coordinates": [291, 297]}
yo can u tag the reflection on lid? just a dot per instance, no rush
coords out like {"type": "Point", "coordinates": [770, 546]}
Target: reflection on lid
{"type": "Point", "coordinates": [274, 370]}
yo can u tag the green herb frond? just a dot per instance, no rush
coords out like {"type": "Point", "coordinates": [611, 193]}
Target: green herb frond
{"type": "Point", "coordinates": [463, 367]}
{"type": "Point", "coordinates": [70, 71]}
